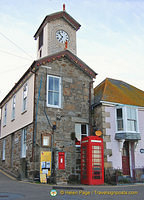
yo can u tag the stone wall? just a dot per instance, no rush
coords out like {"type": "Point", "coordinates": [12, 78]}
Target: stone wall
{"type": "Point", "coordinates": [74, 109]}
{"type": "Point", "coordinates": [13, 163]}
{"type": "Point", "coordinates": [99, 122]}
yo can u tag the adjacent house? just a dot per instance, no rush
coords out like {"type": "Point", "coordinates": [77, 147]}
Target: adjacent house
{"type": "Point", "coordinates": [118, 112]}
{"type": "Point", "coordinates": [48, 110]}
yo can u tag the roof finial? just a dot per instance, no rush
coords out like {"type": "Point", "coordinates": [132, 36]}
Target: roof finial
{"type": "Point", "coordinates": [63, 7]}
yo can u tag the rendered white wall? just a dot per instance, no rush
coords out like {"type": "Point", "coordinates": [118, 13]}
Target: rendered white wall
{"type": "Point", "coordinates": [114, 145]}
{"type": "Point", "coordinates": [21, 118]}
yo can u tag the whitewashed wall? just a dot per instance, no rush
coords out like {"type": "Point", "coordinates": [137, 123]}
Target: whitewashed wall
{"type": "Point", "coordinates": [139, 157]}
{"type": "Point", "coordinates": [116, 157]}
{"type": "Point", "coordinates": [21, 118]}
{"type": "Point", "coordinates": [114, 145]}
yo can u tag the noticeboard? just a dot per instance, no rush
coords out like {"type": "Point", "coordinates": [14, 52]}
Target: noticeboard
{"type": "Point", "coordinates": [45, 163]}
{"type": "Point", "coordinates": [43, 178]}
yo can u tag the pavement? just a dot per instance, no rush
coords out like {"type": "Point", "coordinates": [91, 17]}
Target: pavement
{"type": "Point", "coordinates": [12, 189]}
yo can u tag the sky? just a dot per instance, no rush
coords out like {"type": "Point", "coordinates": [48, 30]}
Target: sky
{"type": "Point", "coordinates": [110, 40]}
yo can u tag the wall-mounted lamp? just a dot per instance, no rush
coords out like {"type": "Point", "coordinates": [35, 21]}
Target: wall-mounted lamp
{"type": "Point", "coordinates": [54, 126]}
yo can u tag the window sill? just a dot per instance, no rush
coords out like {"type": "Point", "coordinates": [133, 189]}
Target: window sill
{"type": "Point", "coordinates": [127, 136]}
{"type": "Point", "coordinates": [121, 132]}
{"type": "Point", "coordinates": [12, 119]}
{"type": "Point", "coordinates": [23, 157]}
{"type": "Point", "coordinates": [77, 145]}
{"type": "Point", "coordinates": [23, 112]}
{"type": "Point", "coordinates": [52, 106]}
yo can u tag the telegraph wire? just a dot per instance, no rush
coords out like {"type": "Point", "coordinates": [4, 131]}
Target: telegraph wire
{"type": "Point", "coordinates": [15, 45]}
{"type": "Point", "coordinates": [6, 52]}
{"type": "Point", "coordinates": [10, 70]}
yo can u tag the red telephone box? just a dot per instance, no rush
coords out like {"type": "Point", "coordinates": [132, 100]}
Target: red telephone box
{"type": "Point", "coordinates": [92, 160]}
{"type": "Point", "coordinates": [61, 160]}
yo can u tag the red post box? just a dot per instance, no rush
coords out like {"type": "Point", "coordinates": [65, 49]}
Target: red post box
{"type": "Point", "coordinates": [92, 160]}
{"type": "Point", "coordinates": [61, 160]}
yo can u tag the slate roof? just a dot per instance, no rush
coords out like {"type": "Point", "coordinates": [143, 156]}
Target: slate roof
{"type": "Point", "coordinates": [35, 66]}
{"type": "Point", "coordinates": [117, 91]}
{"type": "Point", "coordinates": [58, 15]}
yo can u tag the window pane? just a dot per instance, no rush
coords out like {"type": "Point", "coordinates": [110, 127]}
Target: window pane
{"type": "Point", "coordinates": [119, 113]}
{"type": "Point", "coordinates": [128, 113]}
{"type": "Point", "coordinates": [50, 98]}
{"type": "Point", "coordinates": [41, 39]}
{"type": "Point", "coordinates": [24, 104]}
{"type": "Point", "coordinates": [14, 101]}
{"type": "Point", "coordinates": [120, 125]}
{"type": "Point", "coordinates": [56, 98]}
{"type": "Point", "coordinates": [83, 129]}
{"type": "Point", "coordinates": [4, 144]}
{"type": "Point", "coordinates": [25, 91]}
{"type": "Point", "coordinates": [23, 144]}
{"type": "Point", "coordinates": [54, 91]}
{"type": "Point", "coordinates": [56, 84]}
{"type": "Point", "coordinates": [128, 125]}
{"type": "Point", "coordinates": [78, 131]}
{"type": "Point", "coordinates": [131, 125]}
{"type": "Point", "coordinates": [133, 114]}
{"type": "Point", "coordinates": [46, 140]}
{"type": "Point", "coordinates": [50, 83]}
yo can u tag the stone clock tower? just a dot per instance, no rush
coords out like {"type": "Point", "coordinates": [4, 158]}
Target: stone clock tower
{"type": "Point", "coordinates": [57, 31]}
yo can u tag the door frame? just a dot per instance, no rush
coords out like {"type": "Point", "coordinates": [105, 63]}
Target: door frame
{"type": "Point", "coordinates": [126, 159]}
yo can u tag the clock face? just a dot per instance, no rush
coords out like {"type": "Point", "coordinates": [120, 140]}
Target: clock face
{"type": "Point", "coordinates": [62, 36]}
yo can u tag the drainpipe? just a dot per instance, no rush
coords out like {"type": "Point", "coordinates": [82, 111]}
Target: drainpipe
{"type": "Point", "coordinates": [35, 115]}
{"type": "Point", "coordinates": [90, 110]}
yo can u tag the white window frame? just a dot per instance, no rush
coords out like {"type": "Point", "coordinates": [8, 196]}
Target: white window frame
{"type": "Point", "coordinates": [78, 131]}
{"type": "Point", "coordinates": [13, 107]}
{"type": "Point", "coordinates": [132, 119]}
{"type": "Point", "coordinates": [25, 95]}
{"type": "Point", "coordinates": [125, 119]}
{"type": "Point", "coordinates": [5, 115]}
{"type": "Point", "coordinates": [4, 146]}
{"type": "Point", "coordinates": [23, 143]}
{"type": "Point", "coordinates": [59, 92]}
{"type": "Point", "coordinates": [122, 119]}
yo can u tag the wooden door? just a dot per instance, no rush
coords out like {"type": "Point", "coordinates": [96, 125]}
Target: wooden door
{"type": "Point", "coordinates": [125, 159]}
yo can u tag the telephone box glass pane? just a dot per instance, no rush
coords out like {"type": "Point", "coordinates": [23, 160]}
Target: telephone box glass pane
{"type": "Point", "coordinates": [96, 162]}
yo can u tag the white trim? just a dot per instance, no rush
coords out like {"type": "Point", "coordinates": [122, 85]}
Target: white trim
{"type": "Point", "coordinates": [98, 141]}
{"type": "Point", "coordinates": [130, 160]}
{"type": "Point", "coordinates": [137, 118]}
{"type": "Point", "coordinates": [26, 99]}
{"type": "Point", "coordinates": [119, 104]}
{"type": "Point", "coordinates": [87, 131]}
{"type": "Point", "coordinates": [23, 143]}
{"type": "Point", "coordinates": [13, 108]}
{"type": "Point", "coordinates": [4, 147]}
{"type": "Point", "coordinates": [60, 92]}
{"type": "Point", "coordinates": [125, 118]}
{"type": "Point", "coordinates": [124, 115]}
{"type": "Point", "coordinates": [5, 114]}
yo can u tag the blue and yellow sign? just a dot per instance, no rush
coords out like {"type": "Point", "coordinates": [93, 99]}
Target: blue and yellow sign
{"type": "Point", "coordinates": [45, 163]}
